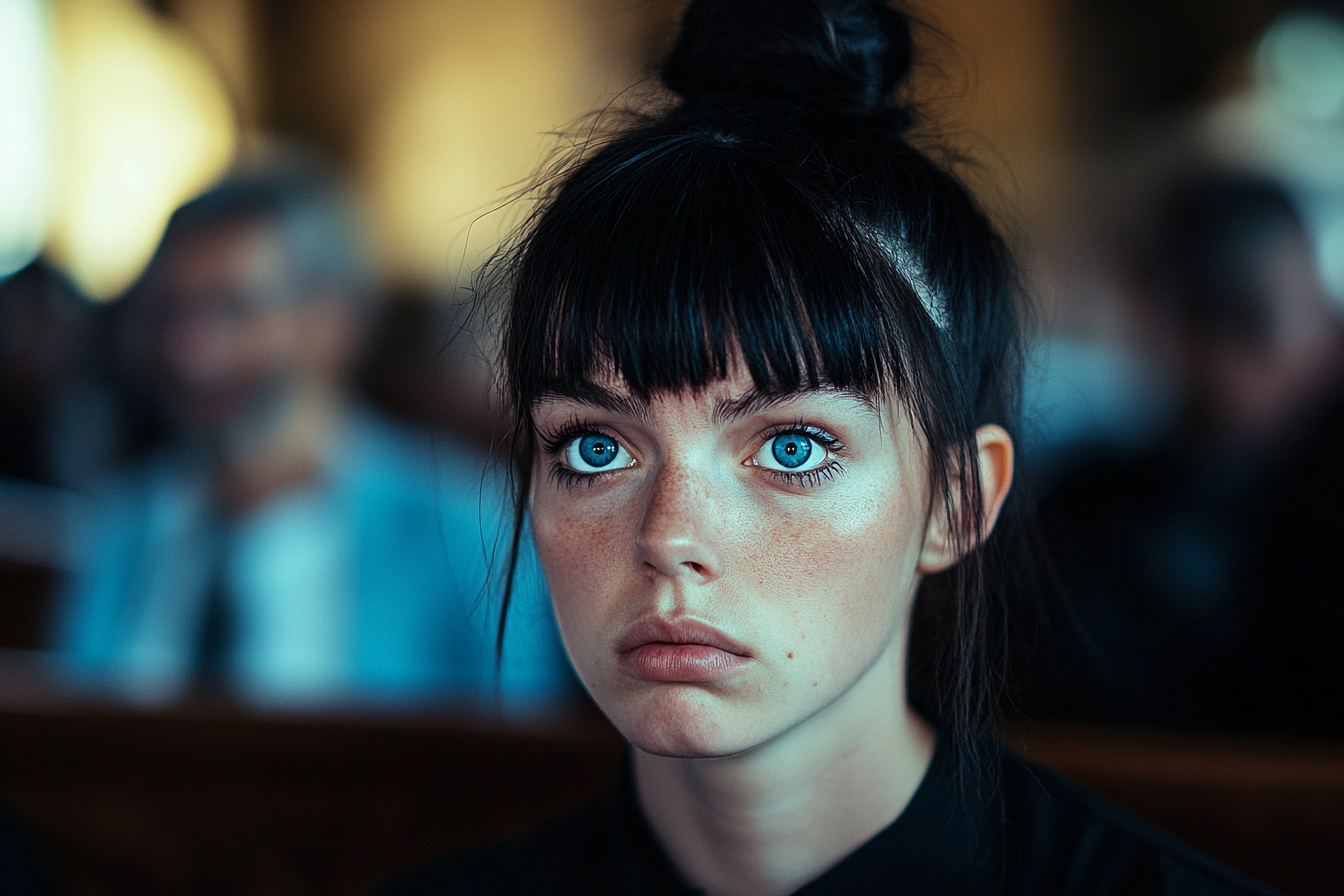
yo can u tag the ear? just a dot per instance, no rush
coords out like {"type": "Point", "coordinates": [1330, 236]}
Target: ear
{"type": "Point", "coordinates": [994, 457]}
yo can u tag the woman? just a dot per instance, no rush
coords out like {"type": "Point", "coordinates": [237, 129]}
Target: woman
{"type": "Point", "coordinates": [763, 356]}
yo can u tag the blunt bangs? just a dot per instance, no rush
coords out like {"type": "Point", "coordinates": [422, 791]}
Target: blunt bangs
{"type": "Point", "coordinates": [669, 259]}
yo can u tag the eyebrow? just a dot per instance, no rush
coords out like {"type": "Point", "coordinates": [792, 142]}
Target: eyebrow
{"type": "Point", "coordinates": [753, 401]}
{"type": "Point", "coordinates": [599, 397]}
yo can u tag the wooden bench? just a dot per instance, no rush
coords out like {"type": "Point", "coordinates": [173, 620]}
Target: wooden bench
{"type": "Point", "coordinates": [209, 799]}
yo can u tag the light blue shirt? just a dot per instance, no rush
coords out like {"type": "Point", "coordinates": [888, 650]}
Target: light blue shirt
{"type": "Point", "coordinates": [380, 581]}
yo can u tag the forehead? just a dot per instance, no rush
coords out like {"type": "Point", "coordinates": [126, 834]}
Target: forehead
{"type": "Point", "coordinates": [236, 255]}
{"type": "Point", "coordinates": [725, 400]}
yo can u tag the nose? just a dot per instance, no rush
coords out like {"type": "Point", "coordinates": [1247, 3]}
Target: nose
{"type": "Point", "coordinates": [679, 537]}
{"type": "Point", "coordinates": [196, 351]}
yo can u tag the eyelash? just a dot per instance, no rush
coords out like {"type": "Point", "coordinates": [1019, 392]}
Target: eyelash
{"type": "Point", "coordinates": [553, 441]}
{"type": "Point", "coordinates": [808, 478]}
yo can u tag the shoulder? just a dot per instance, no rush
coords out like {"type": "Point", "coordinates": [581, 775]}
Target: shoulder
{"type": "Point", "coordinates": [372, 441]}
{"type": "Point", "coordinates": [121, 514]}
{"type": "Point", "coordinates": [565, 855]}
{"type": "Point", "coordinates": [433, 465]}
{"type": "Point", "coordinates": [20, 861]}
{"type": "Point", "coordinates": [1061, 837]}
{"type": "Point", "coordinates": [163, 470]}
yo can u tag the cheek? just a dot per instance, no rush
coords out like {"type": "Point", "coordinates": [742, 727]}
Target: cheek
{"type": "Point", "coordinates": [273, 340]}
{"type": "Point", "coordinates": [841, 569]}
{"type": "Point", "coordinates": [582, 544]}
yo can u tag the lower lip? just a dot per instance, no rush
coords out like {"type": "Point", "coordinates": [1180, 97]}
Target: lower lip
{"type": "Point", "coordinates": [680, 662]}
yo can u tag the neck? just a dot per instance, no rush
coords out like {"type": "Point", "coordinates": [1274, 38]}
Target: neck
{"type": "Point", "coordinates": [280, 450]}
{"type": "Point", "coordinates": [772, 819]}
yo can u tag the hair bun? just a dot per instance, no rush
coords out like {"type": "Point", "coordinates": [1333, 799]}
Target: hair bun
{"type": "Point", "coordinates": [844, 56]}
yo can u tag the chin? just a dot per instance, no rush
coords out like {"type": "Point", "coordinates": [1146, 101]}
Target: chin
{"type": "Point", "coordinates": [683, 722]}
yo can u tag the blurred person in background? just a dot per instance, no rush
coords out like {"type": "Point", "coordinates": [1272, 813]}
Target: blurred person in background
{"type": "Point", "coordinates": [62, 424]}
{"type": "Point", "coordinates": [1189, 587]}
{"type": "Point", "coordinates": [286, 543]}
{"type": "Point", "coordinates": [58, 416]}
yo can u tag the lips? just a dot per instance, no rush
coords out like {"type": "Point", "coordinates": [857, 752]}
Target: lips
{"type": "Point", "coordinates": [657, 649]}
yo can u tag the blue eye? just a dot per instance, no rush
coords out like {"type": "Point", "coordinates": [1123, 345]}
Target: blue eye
{"type": "Point", "coordinates": [792, 452]}
{"type": "Point", "coordinates": [598, 451]}
{"type": "Point", "coordinates": [594, 452]}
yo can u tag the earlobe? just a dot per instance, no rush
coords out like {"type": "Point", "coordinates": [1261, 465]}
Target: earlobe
{"type": "Point", "coordinates": [994, 456]}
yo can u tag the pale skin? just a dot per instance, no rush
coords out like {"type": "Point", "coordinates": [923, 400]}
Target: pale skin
{"type": "Point", "coordinates": [764, 776]}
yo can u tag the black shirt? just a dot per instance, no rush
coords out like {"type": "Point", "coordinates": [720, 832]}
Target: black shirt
{"type": "Point", "coordinates": [20, 865]}
{"type": "Point", "coordinates": [1038, 833]}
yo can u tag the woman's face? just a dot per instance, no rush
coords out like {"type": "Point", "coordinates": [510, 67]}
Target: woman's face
{"type": "Point", "coordinates": [726, 565]}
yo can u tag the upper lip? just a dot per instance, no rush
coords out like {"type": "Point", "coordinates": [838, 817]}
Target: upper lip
{"type": "Point", "coordinates": [660, 630]}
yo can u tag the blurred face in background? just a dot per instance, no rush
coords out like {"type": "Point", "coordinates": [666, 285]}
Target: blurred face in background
{"type": "Point", "coordinates": [1254, 383]}
{"type": "Point", "coordinates": [219, 327]}
{"type": "Point", "coordinates": [229, 337]}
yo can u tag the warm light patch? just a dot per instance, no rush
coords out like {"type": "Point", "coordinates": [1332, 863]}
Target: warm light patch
{"type": "Point", "coordinates": [468, 121]}
{"type": "Point", "coordinates": [143, 125]}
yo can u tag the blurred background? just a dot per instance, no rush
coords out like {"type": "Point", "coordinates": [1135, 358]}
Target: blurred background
{"type": "Point", "coordinates": [248, 518]}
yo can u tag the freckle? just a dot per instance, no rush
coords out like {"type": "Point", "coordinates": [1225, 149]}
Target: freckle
{"type": "Point", "coordinates": [814, 684]}
{"type": "Point", "coordinates": [790, 654]}
{"type": "Point", "coordinates": [802, 636]}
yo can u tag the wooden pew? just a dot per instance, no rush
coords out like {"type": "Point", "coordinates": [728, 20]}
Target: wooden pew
{"type": "Point", "coordinates": [208, 799]}
{"type": "Point", "coordinates": [212, 801]}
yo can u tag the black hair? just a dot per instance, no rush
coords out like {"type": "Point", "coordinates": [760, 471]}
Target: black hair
{"type": "Point", "coordinates": [776, 212]}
